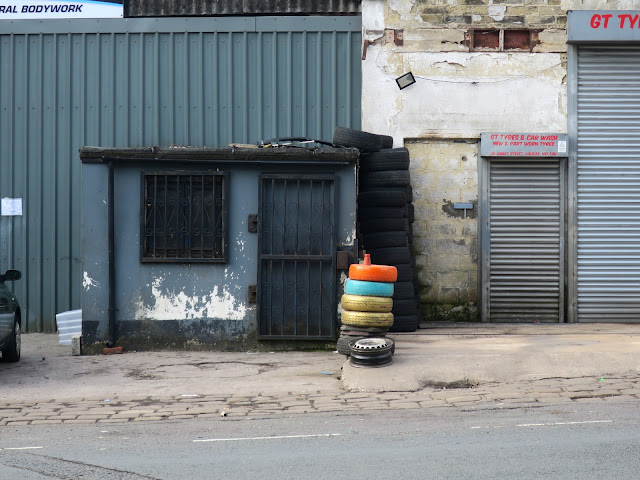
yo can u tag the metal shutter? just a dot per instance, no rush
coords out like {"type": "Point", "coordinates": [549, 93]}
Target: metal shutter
{"type": "Point", "coordinates": [526, 241]}
{"type": "Point", "coordinates": [608, 187]}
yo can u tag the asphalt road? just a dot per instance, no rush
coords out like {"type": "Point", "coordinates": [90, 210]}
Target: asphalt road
{"type": "Point", "coordinates": [593, 440]}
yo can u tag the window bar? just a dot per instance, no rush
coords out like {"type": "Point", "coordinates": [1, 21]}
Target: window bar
{"type": "Point", "coordinates": [322, 252]}
{"type": "Point", "coordinates": [189, 224]}
{"type": "Point", "coordinates": [164, 224]}
{"type": "Point", "coordinates": [154, 211]}
{"type": "Point", "coordinates": [176, 212]}
{"type": "Point", "coordinates": [309, 252]}
{"type": "Point", "coordinates": [284, 243]}
{"type": "Point", "coordinates": [295, 263]}
{"type": "Point", "coordinates": [310, 248]}
{"type": "Point", "coordinates": [202, 217]}
{"type": "Point", "coordinates": [271, 292]}
{"type": "Point", "coordinates": [215, 216]}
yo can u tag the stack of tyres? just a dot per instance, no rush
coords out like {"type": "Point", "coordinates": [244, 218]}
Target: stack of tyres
{"type": "Point", "coordinates": [386, 215]}
{"type": "Point", "coordinates": [367, 303]}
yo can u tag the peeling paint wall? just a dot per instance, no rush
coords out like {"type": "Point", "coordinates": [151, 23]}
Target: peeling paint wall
{"type": "Point", "coordinates": [460, 93]}
{"type": "Point", "coordinates": [181, 305]}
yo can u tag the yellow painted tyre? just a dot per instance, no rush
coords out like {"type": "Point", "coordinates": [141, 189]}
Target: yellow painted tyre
{"type": "Point", "coordinates": [366, 303]}
{"type": "Point", "coordinates": [367, 319]}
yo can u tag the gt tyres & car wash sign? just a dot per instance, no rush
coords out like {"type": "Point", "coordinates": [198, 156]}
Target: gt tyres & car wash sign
{"type": "Point", "coordinates": [50, 9]}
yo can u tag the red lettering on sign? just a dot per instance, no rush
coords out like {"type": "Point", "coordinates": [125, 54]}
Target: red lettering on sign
{"type": "Point", "coordinates": [600, 20]}
{"type": "Point", "coordinates": [632, 20]}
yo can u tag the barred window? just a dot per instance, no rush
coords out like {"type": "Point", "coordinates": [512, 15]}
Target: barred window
{"type": "Point", "coordinates": [185, 217]}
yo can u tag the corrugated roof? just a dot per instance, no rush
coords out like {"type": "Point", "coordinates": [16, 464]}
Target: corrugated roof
{"type": "Point", "coordinates": [173, 8]}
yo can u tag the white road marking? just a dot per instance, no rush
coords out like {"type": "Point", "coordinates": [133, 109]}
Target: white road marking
{"type": "Point", "coordinates": [544, 424]}
{"type": "Point", "coordinates": [562, 423]}
{"type": "Point", "coordinates": [21, 448]}
{"type": "Point", "coordinates": [267, 438]}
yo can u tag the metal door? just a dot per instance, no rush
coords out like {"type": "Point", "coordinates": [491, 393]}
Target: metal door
{"type": "Point", "coordinates": [608, 184]}
{"type": "Point", "coordinates": [524, 241]}
{"type": "Point", "coordinates": [297, 245]}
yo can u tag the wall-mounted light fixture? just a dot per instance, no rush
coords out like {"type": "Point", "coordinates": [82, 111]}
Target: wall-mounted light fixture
{"type": "Point", "coordinates": [405, 80]}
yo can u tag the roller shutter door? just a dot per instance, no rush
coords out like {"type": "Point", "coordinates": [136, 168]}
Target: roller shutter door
{"type": "Point", "coordinates": [608, 184]}
{"type": "Point", "coordinates": [526, 241]}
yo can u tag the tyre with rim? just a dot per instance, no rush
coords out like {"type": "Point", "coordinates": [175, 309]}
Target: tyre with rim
{"type": "Point", "coordinates": [371, 352]}
{"type": "Point", "coordinates": [11, 353]}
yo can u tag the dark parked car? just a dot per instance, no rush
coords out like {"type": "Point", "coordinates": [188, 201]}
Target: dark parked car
{"type": "Point", "coordinates": [9, 319]}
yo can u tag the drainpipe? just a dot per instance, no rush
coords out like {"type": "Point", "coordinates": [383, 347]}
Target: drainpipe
{"type": "Point", "coordinates": [112, 268]}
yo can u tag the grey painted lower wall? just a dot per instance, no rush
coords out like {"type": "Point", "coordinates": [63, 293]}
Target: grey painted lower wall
{"type": "Point", "coordinates": [181, 305]}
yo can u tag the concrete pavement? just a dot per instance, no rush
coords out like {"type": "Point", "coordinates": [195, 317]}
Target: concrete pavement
{"type": "Point", "coordinates": [471, 366]}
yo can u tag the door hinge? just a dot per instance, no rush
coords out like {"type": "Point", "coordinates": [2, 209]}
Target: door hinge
{"type": "Point", "coordinates": [253, 223]}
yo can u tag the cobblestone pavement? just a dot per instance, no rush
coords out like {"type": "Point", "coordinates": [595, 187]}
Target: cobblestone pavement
{"type": "Point", "coordinates": [488, 396]}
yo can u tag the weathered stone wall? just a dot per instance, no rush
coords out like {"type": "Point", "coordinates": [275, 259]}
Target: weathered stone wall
{"type": "Point", "coordinates": [459, 93]}
{"type": "Point", "coordinates": [446, 239]}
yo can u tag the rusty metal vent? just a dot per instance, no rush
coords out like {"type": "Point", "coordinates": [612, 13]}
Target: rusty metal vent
{"type": "Point", "coordinates": [178, 8]}
{"type": "Point", "coordinates": [496, 40]}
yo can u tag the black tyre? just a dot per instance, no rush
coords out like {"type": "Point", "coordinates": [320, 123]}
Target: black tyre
{"type": "Point", "coordinates": [407, 323]}
{"type": "Point", "coordinates": [11, 353]}
{"type": "Point", "coordinates": [362, 331]}
{"type": "Point", "coordinates": [342, 345]}
{"type": "Point", "coordinates": [389, 178]}
{"type": "Point", "coordinates": [384, 225]}
{"type": "Point", "coordinates": [387, 142]}
{"type": "Point", "coordinates": [391, 159]}
{"type": "Point", "coordinates": [385, 191]}
{"type": "Point", "coordinates": [410, 212]}
{"type": "Point", "coordinates": [392, 255]}
{"type": "Point", "coordinates": [385, 240]}
{"type": "Point", "coordinates": [406, 307]}
{"type": "Point", "coordinates": [403, 290]}
{"type": "Point", "coordinates": [365, 141]}
{"type": "Point", "coordinates": [406, 273]}
{"type": "Point", "coordinates": [387, 199]}
{"type": "Point", "coordinates": [383, 212]}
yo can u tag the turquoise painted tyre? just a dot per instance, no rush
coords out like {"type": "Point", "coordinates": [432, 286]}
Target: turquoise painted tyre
{"type": "Point", "coordinates": [372, 289]}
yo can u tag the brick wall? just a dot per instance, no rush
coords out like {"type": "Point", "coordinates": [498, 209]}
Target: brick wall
{"type": "Point", "coordinates": [442, 25]}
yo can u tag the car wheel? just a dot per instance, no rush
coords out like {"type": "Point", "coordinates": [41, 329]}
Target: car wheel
{"type": "Point", "coordinates": [371, 352]}
{"type": "Point", "coordinates": [12, 352]}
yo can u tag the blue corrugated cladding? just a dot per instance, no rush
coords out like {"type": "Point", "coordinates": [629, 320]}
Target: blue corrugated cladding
{"type": "Point", "coordinates": [142, 82]}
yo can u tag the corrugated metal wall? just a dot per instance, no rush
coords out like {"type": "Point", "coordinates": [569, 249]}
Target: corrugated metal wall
{"type": "Point", "coordinates": [161, 8]}
{"type": "Point", "coordinates": [526, 241]}
{"type": "Point", "coordinates": [127, 83]}
{"type": "Point", "coordinates": [608, 187]}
